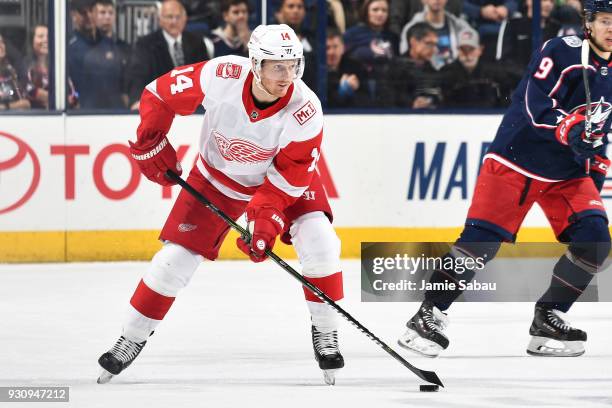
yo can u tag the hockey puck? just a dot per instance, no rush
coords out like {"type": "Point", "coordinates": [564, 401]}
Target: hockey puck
{"type": "Point", "coordinates": [429, 388]}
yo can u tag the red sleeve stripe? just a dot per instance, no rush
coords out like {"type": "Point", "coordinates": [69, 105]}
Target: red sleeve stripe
{"type": "Point", "coordinates": [277, 179]}
{"type": "Point", "coordinates": [268, 195]}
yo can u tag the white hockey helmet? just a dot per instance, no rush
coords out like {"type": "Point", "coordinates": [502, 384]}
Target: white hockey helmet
{"type": "Point", "coordinates": [275, 42]}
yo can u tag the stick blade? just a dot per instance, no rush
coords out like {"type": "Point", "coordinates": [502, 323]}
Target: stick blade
{"type": "Point", "coordinates": [431, 377]}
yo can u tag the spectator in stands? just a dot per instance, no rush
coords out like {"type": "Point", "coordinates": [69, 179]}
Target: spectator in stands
{"type": "Point", "coordinates": [447, 27]}
{"type": "Point", "coordinates": [335, 15]}
{"type": "Point", "coordinates": [293, 13]}
{"type": "Point", "coordinates": [402, 11]}
{"type": "Point", "coordinates": [80, 18]}
{"type": "Point", "coordinates": [486, 16]}
{"type": "Point", "coordinates": [569, 15]}
{"type": "Point", "coordinates": [14, 54]}
{"type": "Point", "coordinates": [345, 76]}
{"type": "Point", "coordinates": [373, 44]}
{"type": "Point", "coordinates": [371, 41]}
{"type": "Point", "coordinates": [104, 63]}
{"type": "Point", "coordinates": [351, 12]}
{"type": "Point", "coordinates": [471, 82]}
{"type": "Point", "coordinates": [203, 16]}
{"type": "Point", "coordinates": [84, 37]}
{"type": "Point", "coordinates": [104, 15]}
{"type": "Point", "coordinates": [161, 51]}
{"type": "Point", "coordinates": [12, 84]}
{"type": "Point", "coordinates": [234, 36]}
{"type": "Point", "coordinates": [413, 82]}
{"type": "Point", "coordinates": [37, 68]}
{"type": "Point", "coordinates": [514, 45]}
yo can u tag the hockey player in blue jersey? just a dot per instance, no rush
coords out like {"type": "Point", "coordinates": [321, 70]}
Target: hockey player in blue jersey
{"type": "Point", "coordinates": [543, 153]}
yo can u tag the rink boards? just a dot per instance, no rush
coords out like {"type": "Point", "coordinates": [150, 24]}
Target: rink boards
{"type": "Point", "coordinates": [68, 190]}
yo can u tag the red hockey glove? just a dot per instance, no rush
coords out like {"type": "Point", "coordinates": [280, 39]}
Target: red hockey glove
{"type": "Point", "coordinates": [155, 159]}
{"type": "Point", "coordinates": [264, 224]}
{"type": "Point", "coordinates": [571, 132]}
{"type": "Point", "coordinates": [599, 170]}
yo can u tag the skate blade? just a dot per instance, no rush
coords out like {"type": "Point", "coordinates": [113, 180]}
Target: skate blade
{"type": "Point", "coordinates": [415, 343]}
{"type": "Point", "coordinates": [330, 376]}
{"type": "Point", "coordinates": [104, 377]}
{"type": "Point", "coordinates": [545, 347]}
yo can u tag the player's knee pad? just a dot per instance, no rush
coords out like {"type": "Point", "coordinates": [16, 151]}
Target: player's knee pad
{"type": "Point", "coordinates": [478, 242]}
{"type": "Point", "coordinates": [316, 244]}
{"type": "Point", "coordinates": [171, 269]}
{"type": "Point", "coordinates": [589, 242]}
{"type": "Point", "coordinates": [318, 249]}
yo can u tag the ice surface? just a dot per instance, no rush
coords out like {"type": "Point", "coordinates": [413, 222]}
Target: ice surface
{"type": "Point", "coordinates": [239, 336]}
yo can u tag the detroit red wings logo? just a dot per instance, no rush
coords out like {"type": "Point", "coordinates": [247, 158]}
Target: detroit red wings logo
{"type": "Point", "coordinates": [228, 70]}
{"type": "Point", "coordinates": [242, 151]}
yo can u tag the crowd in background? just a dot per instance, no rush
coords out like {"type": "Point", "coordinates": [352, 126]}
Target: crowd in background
{"type": "Point", "coordinates": [24, 80]}
{"type": "Point", "coordinates": [415, 54]}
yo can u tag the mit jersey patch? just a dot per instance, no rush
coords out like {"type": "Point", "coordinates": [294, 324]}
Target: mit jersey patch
{"type": "Point", "coordinates": [242, 151]}
{"type": "Point", "coordinates": [573, 41]}
{"type": "Point", "coordinates": [306, 112]}
{"type": "Point", "coordinates": [228, 70]}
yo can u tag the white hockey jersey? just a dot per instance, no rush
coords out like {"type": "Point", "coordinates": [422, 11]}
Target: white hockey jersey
{"type": "Point", "coordinates": [265, 155]}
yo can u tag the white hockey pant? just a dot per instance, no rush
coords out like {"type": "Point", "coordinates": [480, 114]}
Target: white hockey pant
{"type": "Point", "coordinates": [170, 271]}
{"type": "Point", "coordinates": [318, 249]}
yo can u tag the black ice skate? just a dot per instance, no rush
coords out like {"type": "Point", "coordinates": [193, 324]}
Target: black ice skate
{"type": "Point", "coordinates": [327, 354]}
{"type": "Point", "coordinates": [118, 358]}
{"type": "Point", "coordinates": [424, 334]}
{"type": "Point", "coordinates": [553, 336]}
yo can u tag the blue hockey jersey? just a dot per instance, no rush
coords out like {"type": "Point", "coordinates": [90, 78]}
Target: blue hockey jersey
{"type": "Point", "coordinates": [551, 89]}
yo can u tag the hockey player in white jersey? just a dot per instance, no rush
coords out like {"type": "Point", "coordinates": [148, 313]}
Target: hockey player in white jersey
{"type": "Point", "coordinates": [258, 150]}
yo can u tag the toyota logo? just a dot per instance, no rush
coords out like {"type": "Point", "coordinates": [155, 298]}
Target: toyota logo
{"type": "Point", "coordinates": [17, 160]}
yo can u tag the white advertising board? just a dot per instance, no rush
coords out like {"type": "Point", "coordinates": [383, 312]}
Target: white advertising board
{"type": "Point", "coordinates": [74, 173]}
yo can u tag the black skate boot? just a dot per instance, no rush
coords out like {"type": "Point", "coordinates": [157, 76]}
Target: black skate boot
{"type": "Point", "coordinates": [327, 354]}
{"type": "Point", "coordinates": [424, 334]}
{"type": "Point", "coordinates": [552, 335]}
{"type": "Point", "coordinates": [118, 358]}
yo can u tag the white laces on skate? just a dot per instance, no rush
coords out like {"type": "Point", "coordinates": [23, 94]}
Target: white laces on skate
{"type": "Point", "coordinates": [126, 350]}
{"type": "Point", "coordinates": [441, 318]}
{"type": "Point", "coordinates": [556, 318]}
{"type": "Point", "coordinates": [326, 343]}
{"type": "Point", "coordinates": [435, 319]}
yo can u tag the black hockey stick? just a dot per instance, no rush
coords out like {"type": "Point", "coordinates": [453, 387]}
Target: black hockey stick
{"type": "Point", "coordinates": [428, 376]}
